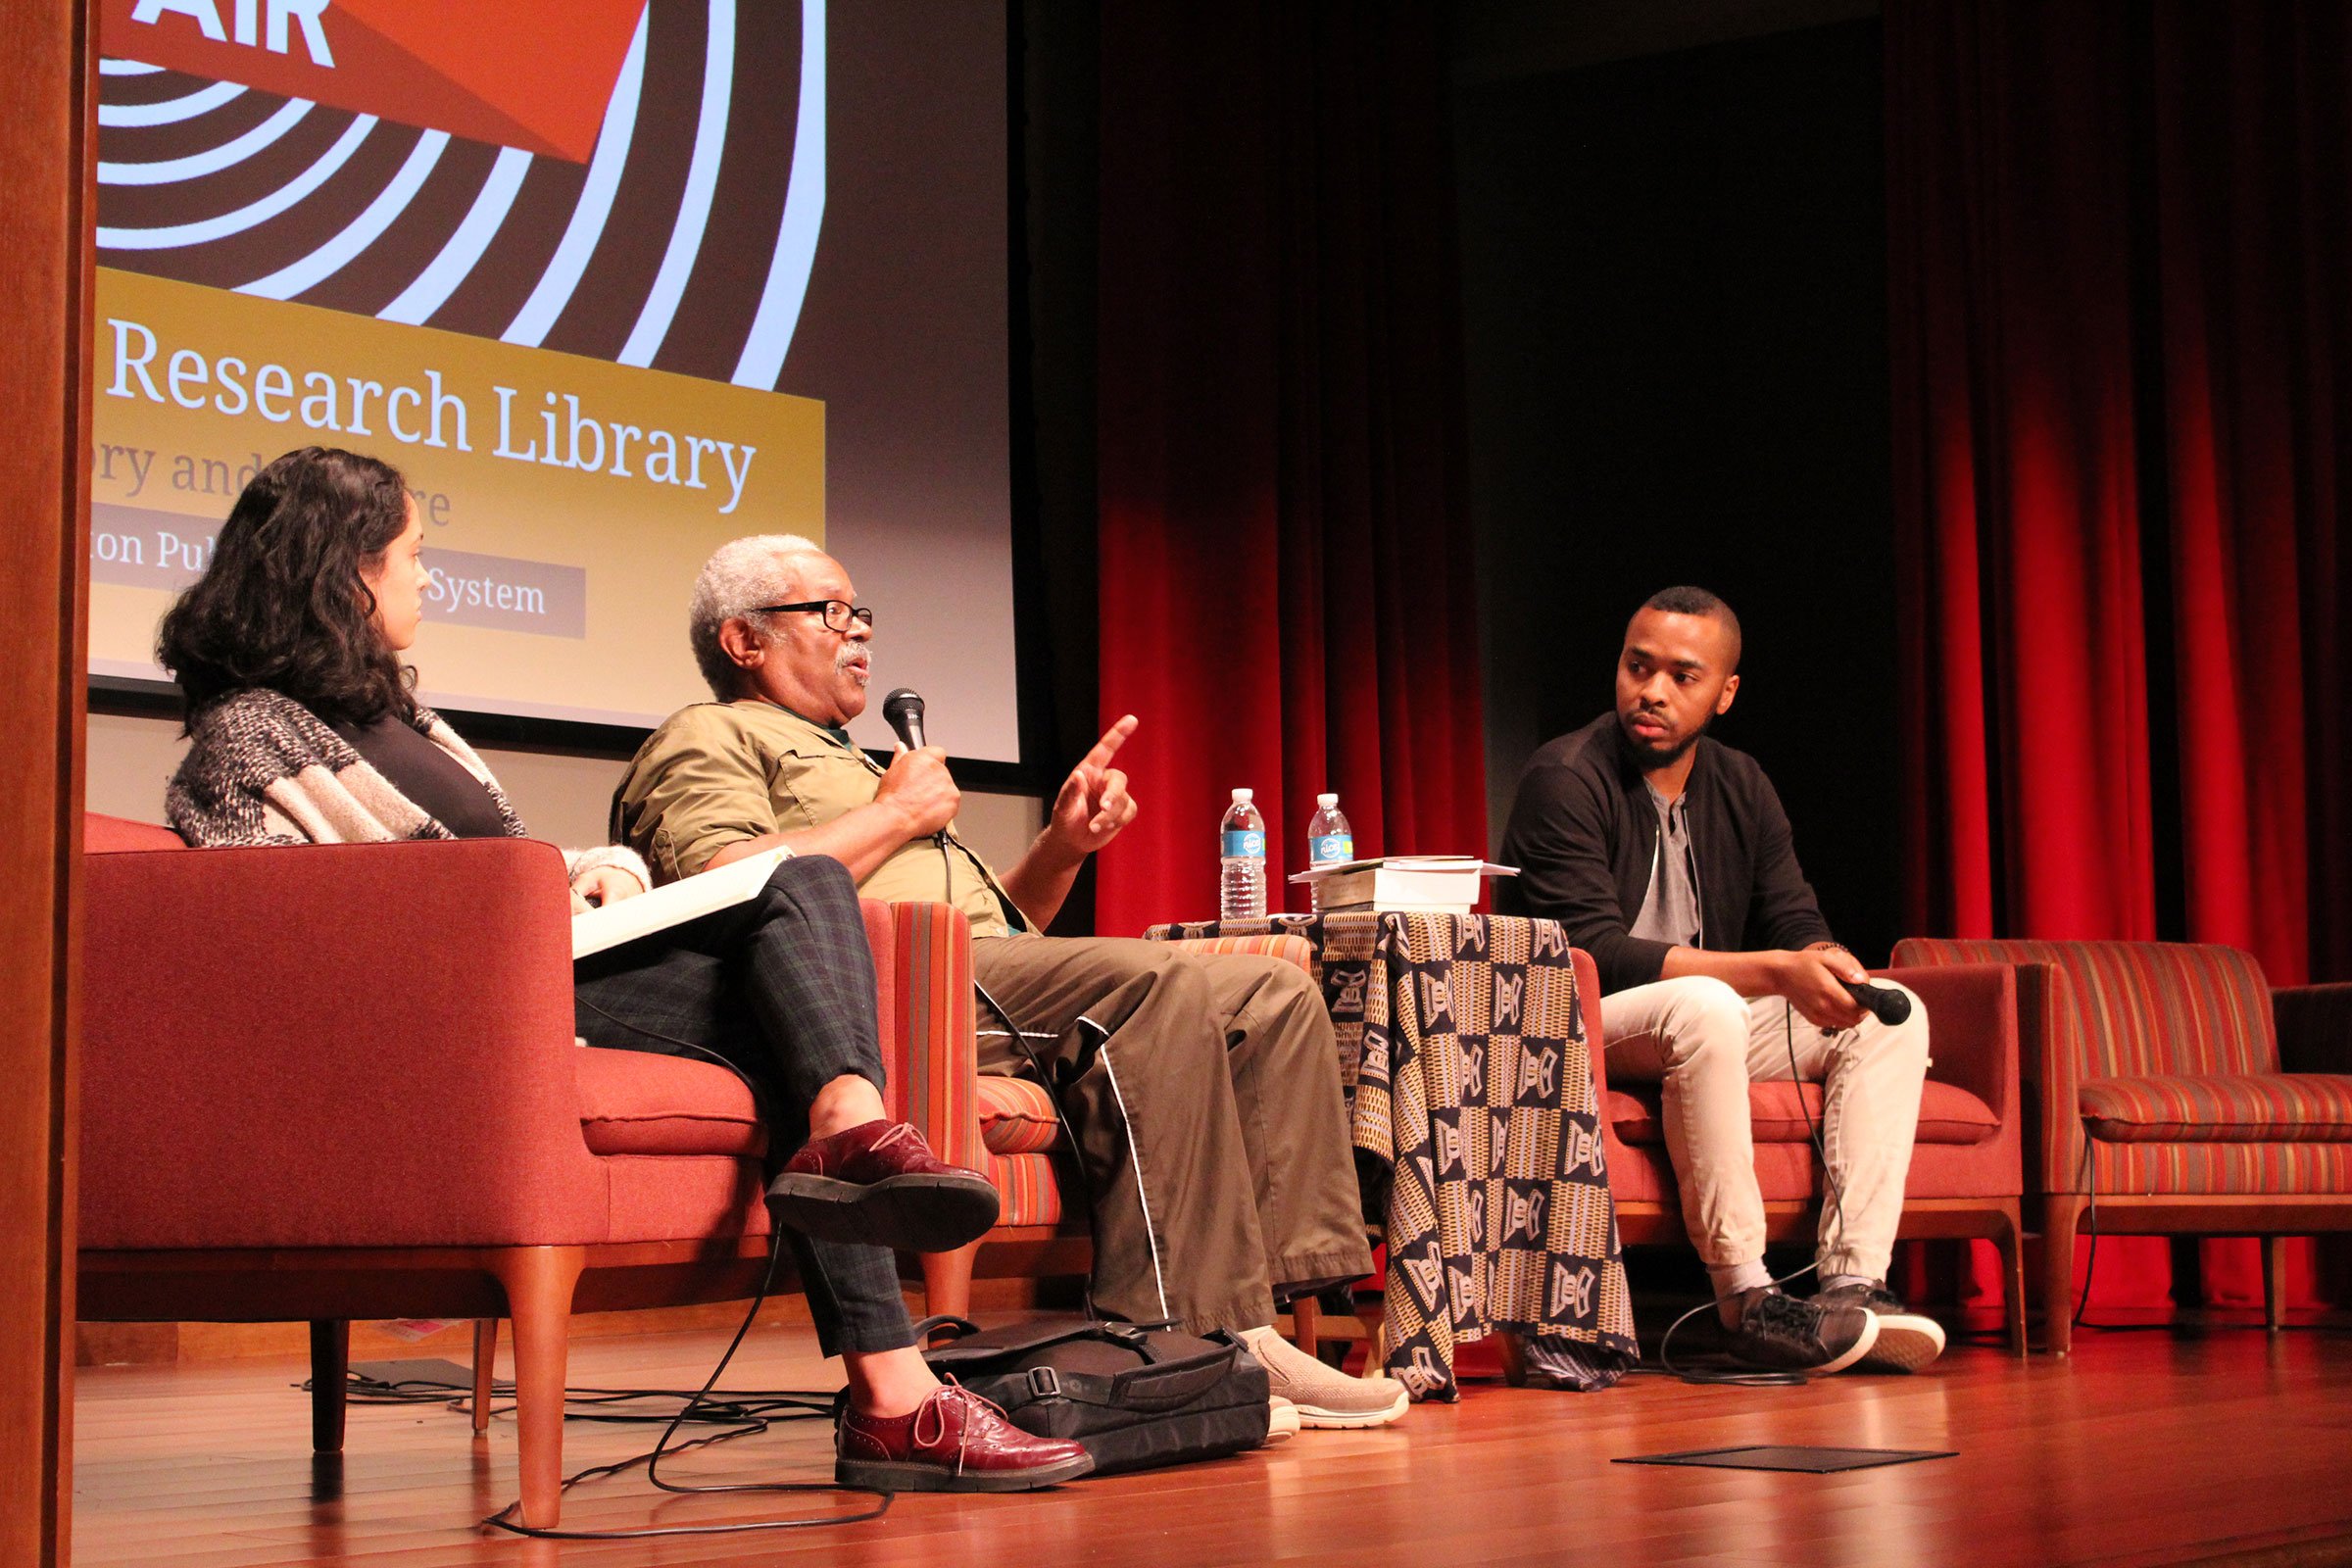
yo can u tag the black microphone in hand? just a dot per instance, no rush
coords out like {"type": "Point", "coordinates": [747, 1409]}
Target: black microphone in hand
{"type": "Point", "coordinates": [903, 708]}
{"type": "Point", "coordinates": [1890, 1006]}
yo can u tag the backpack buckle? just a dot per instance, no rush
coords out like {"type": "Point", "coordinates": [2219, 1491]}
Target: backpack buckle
{"type": "Point", "coordinates": [1043, 1384]}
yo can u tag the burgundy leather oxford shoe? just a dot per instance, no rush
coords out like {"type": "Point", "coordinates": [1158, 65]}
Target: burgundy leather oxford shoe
{"type": "Point", "coordinates": [879, 1182]}
{"type": "Point", "coordinates": [955, 1442]}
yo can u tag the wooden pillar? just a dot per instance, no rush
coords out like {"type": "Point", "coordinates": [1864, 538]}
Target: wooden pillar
{"type": "Point", "coordinates": [46, 195]}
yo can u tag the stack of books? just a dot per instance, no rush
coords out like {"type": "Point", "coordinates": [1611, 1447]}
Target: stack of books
{"type": "Point", "coordinates": [1411, 884]}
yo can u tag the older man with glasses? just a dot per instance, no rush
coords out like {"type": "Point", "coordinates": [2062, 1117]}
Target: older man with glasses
{"type": "Point", "coordinates": [1203, 1091]}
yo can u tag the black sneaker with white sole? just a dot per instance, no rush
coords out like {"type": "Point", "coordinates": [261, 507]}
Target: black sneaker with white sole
{"type": "Point", "coordinates": [1778, 1332]}
{"type": "Point", "coordinates": [1907, 1341]}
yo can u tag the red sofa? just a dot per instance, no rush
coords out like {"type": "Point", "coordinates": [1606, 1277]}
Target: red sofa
{"type": "Point", "coordinates": [2175, 1092]}
{"type": "Point", "coordinates": [1966, 1177]}
{"type": "Point", "coordinates": [336, 1082]}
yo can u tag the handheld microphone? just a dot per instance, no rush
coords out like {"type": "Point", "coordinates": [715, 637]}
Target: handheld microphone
{"type": "Point", "coordinates": [903, 708]}
{"type": "Point", "coordinates": [1890, 1005]}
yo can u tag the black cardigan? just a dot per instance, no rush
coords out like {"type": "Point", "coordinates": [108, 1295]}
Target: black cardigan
{"type": "Point", "coordinates": [1583, 831]}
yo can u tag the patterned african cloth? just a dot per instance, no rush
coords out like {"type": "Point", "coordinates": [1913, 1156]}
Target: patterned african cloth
{"type": "Point", "coordinates": [1477, 1133]}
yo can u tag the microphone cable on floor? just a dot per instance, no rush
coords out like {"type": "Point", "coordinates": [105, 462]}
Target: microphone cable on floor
{"type": "Point", "coordinates": [748, 1422]}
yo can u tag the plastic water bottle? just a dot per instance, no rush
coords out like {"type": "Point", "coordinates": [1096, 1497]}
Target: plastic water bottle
{"type": "Point", "coordinates": [1242, 860]}
{"type": "Point", "coordinates": [1329, 841]}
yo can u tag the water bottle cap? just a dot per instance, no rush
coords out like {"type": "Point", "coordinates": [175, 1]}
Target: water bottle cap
{"type": "Point", "coordinates": [1244, 797]}
{"type": "Point", "coordinates": [1329, 802]}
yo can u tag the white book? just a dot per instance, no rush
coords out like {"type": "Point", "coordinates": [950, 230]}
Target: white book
{"type": "Point", "coordinates": [689, 899]}
{"type": "Point", "coordinates": [1433, 884]}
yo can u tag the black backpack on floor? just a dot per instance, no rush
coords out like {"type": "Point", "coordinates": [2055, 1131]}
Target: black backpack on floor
{"type": "Point", "coordinates": [1136, 1396]}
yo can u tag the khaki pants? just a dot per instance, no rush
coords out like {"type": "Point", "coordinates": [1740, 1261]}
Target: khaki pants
{"type": "Point", "coordinates": [1705, 1042]}
{"type": "Point", "coordinates": [1205, 1094]}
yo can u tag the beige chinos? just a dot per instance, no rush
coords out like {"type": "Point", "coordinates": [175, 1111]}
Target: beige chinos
{"type": "Point", "coordinates": [1704, 1044]}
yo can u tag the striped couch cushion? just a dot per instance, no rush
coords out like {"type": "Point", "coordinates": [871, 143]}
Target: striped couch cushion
{"type": "Point", "coordinates": [2142, 1008]}
{"type": "Point", "coordinates": [1027, 1185]}
{"type": "Point", "coordinates": [1016, 1115]}
{"type": "Point", "coordinates": [2303, 1170]}
{"type": "Point", "coordinates": [2240, 1108]}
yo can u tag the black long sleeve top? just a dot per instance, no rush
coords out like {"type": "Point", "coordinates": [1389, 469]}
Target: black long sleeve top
{"type": "Point", "coordinates": [1583, 833]}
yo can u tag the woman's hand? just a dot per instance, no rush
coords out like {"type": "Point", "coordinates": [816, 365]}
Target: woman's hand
{"type": "Point", "coordinates": [602, 885]}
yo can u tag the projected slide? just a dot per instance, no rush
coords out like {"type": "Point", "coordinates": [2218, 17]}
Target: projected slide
{"type": "Point", "coordinates": [610, 282]}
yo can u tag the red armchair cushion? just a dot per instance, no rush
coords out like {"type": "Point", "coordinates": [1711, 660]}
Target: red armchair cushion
{"type": "Point", "coordinates": [641, 1103]}
{"type": "Point", "coordinates": [2237, 1109]}
{"type": "Point", "coordinates": [1947, 1114]}
{"type": "Point", "coordinates": [109, 835]}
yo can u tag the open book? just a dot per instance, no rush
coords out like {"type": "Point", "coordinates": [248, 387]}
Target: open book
{"type": "Point", "coordinates": [686, 900]}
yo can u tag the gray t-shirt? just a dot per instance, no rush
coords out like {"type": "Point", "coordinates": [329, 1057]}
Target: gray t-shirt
{"type": "Point", "coordinates": [1670, 909]}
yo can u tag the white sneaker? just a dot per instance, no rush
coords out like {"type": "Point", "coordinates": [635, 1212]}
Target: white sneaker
{"type": "Point", "coordinates": [1324, 1395]}
{"type": "Point", "coordinates": [1281, 1419]}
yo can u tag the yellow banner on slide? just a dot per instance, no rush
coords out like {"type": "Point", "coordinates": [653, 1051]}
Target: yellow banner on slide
{"type": "Point", "coordinates": [568, 502]}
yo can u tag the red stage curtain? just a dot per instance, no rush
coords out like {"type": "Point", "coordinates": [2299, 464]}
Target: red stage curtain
{"type": "Point", "coordinates": [1287, 598]}
{"type": "Point", "coordinates": [2121, 293]}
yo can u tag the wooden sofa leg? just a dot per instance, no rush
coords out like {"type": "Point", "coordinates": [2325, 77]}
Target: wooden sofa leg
{"type": "Point", "coordinates": [330, 1366]}
{"type": "Point", "coordinates": [2011, 1244]}
{"type": "Point", "coordinates": [948, 1282]}
{"type": "Point", "coordinates": [2061, 1213]}
{"type": "Point", "coordinates": [486, 1369]}
{"type": "Point", "coordinates": [1306, 1324]}
{"type": "Point", "coordinates": [2274, 1282]}
{"type": "Point", "coordinates": [538, 1282]}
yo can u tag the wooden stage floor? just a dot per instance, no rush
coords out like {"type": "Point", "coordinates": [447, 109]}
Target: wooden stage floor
{"type": "Point", "coordinates": [2144, 1448]}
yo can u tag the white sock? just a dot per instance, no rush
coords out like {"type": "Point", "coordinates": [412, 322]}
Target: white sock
{"type": "Point", "coordinates": [1732, 1282]}
{"type": "Point", "coordinates": [1839, 1282]}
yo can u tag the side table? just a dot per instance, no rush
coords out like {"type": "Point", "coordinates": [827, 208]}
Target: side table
{"type": "Point", "coordinates": [1472, 1109]}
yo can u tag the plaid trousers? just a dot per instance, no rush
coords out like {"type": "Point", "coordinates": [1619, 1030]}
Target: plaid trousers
{"type": "Point", "coordinates": [780, 988]}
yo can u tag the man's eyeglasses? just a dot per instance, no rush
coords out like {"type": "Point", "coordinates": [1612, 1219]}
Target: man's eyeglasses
{"type": "Point", "coordinates": [838, 613]}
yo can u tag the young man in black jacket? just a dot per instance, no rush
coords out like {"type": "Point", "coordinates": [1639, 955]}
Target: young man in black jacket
{"type": "Point", "coordinates": [1667, 856]}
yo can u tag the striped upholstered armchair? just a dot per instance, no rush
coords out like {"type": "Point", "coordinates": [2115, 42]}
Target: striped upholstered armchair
{"type": "Point", "coordinates": [2172, 1089]}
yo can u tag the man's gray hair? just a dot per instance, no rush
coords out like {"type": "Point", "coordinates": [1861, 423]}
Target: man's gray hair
{"type": "Point", "coordinates": [740, 576]}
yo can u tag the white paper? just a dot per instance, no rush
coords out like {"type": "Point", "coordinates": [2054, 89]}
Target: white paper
{"type": "Point", "coordinates": [689, 899]}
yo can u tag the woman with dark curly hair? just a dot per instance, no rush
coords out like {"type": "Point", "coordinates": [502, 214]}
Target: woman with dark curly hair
{"type": "Point", "coordinates": [304, 729]}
